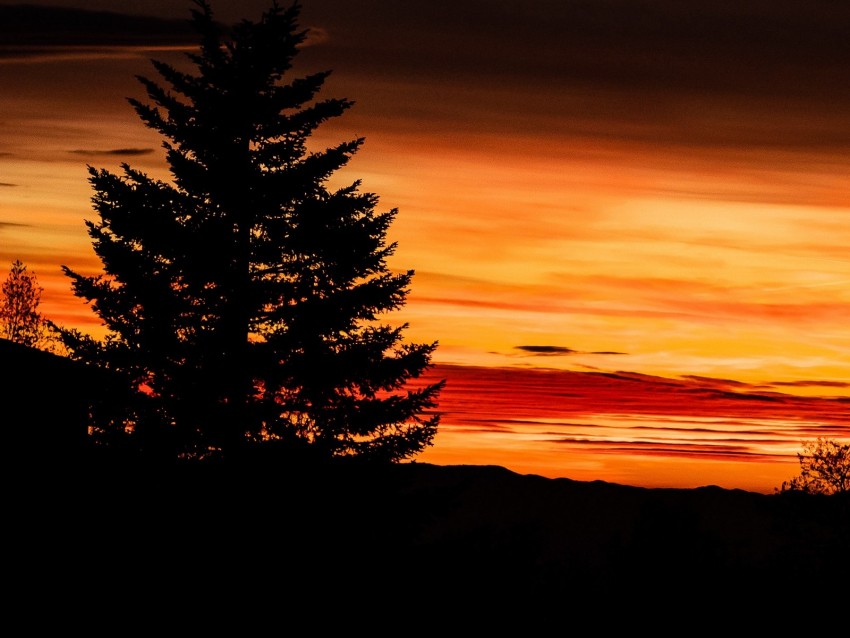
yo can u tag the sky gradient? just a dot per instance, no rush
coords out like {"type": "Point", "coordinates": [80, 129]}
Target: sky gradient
{"type": "Point", "coordinates": [629, 219]}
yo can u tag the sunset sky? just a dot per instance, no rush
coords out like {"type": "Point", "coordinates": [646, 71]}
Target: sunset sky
{"type": "Point", "coordinates": [629, 219]}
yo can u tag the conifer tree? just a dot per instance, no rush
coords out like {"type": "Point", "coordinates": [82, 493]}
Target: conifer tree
{"type": "Point", "coordinates": [245, 299]}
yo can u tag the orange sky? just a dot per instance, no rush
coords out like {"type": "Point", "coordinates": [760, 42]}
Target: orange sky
{"type": "Point", "coordinates": [591, 186]}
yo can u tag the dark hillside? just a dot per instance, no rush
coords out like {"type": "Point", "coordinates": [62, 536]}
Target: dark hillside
{"type": "Point", "coordinates": [281, 536]}
{"type": "Point", "coordinates": [263, 533]}
{"type": "Point", "coordinates": [44, 401]}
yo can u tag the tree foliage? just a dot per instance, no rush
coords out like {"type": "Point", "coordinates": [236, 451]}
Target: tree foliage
{"type": "Point", "coordinates": [20, 319]}
{"type": "Point", "coordinates": [824, 468]}
{"type": "Point", "coordinates": [245, 299]}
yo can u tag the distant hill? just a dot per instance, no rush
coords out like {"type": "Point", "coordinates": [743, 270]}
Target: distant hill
{"type": "Point", "coordinates": [273, 532]}
{"type": "Point", "coordinates": [463, 538]}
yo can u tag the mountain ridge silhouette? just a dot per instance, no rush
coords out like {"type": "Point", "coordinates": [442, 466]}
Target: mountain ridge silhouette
{"type": "Point", "coordinates": [480, 528]}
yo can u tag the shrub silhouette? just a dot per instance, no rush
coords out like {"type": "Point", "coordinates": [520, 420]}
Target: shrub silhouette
{"type": "Point", "coordinates": [20, 319]}
{"type": "Point", "coordinates": [824, 468]}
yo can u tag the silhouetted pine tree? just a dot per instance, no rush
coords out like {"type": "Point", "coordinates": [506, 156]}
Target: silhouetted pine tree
{"type": "Point", "coordinates": [244, 299]}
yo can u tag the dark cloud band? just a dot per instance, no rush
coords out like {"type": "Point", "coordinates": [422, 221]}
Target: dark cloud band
{"type": "Point", "coordinates": [31, 26]}
{"type": "Point", "coordinates": [543, 350]}
{"type": "Point", "coordinates": [560, 350]}
{"type": "Point", "coordinates": [112, 152]}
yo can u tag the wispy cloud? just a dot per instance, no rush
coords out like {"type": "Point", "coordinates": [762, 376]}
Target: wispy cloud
{"type": "Point", "coordinates": [715, 382]}
{"type": "Point", "coordinates": [713, 76]}
{"type": "Point", "coordinates": [316, 36]}
{"type": "Point", "coordinates": [812, 384]}
{"type": "Point", "coordinates": [544, 351]}
{"type": "Point", "coordinates": [716, 431]}
{"type": "Point", "coordinates": [30, 24]}
{"type": "Point", "coordinates": [114, 151]}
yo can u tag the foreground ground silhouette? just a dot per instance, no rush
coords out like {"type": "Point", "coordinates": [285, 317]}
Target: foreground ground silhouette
{"type": "Point", "coordinates": [110, 539]}
{"type": "Point", "coordinates": [265, 533]}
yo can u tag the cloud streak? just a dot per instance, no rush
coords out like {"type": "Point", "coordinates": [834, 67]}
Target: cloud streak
{"type": "Point", "coordinates": [716, 428]}
{"type": "Point", "coordinates": [545, 351]}
{"type": "Point", "coordinates": [120, 152]}
{"type": "Point", "coordinates": [769, 76]}
{"type": "Point", "coordinates": [26, 29]}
